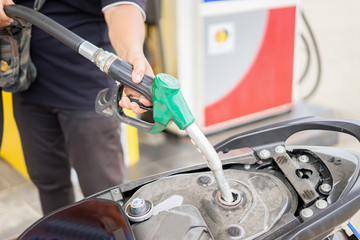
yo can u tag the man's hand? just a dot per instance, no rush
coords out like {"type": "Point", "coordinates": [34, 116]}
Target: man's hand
{"type": "Point", "coordinates": [127, 31]}
{"type": "Point", "coordinates": [4, 19]}
{"type": "Point", "coordinates": [140, 67]}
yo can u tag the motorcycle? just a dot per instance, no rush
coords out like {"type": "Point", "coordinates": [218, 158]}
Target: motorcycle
{"type": "Point", "coordinates": [279, 192]}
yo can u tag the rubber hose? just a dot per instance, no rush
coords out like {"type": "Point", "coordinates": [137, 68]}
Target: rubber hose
{"type": "Point", "coordinates": [308, 58]}
{"type": "Point", "coordinates": [317, 54]}
{"type": "Point", "coordinates": [46, 24]}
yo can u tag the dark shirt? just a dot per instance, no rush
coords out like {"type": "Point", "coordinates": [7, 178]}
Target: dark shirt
{"type": "Point", "coordinates": [66, 79]}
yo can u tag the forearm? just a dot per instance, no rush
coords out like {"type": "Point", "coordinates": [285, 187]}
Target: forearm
{"type": "Point", "coordinates": [126, 30]}
{"type": "Point", "coordinates": [127, 33]}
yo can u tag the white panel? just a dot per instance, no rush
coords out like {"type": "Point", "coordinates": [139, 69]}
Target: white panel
{"type": "Point", "coordinates": [189, 51]}
{"type": "Point", "coordinates": [230, 7]}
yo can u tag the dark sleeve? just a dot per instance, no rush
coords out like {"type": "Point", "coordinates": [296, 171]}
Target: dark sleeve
{"type": "Point", "coordinates": [107, 3]}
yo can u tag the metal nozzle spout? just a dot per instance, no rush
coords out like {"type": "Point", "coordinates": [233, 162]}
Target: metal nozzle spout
{"type": "Point", "coordinates": [213, 160]}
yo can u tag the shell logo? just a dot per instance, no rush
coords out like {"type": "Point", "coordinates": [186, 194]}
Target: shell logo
{"type": "Point", "coordinates": [3, 65]}
{"type": "Point", "coordinates": [221, 36]}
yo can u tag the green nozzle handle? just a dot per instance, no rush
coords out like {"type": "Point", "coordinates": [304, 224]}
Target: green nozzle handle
{"type": "Point", "coordinates": [169, 104]}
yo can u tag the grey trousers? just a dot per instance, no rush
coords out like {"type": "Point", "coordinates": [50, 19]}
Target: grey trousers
{"type": "Point", "coordinates": [54, 140]}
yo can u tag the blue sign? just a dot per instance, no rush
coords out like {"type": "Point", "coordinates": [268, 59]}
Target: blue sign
{"type": "Point", "coordinates": [213, 0]}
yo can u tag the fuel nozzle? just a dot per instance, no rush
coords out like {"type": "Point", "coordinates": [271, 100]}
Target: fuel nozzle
{"type": "Point", "coordinates": [170, 105]}
{"type": "Point", "coordinates": [212, 158]}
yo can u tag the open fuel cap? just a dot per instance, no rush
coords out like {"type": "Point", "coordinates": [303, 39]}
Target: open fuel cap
{"type": "Point", "coordinates": [139, 209]}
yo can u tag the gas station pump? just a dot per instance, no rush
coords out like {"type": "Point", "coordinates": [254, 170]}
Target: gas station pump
{"type": "Point", "coordinates": [234, 58]}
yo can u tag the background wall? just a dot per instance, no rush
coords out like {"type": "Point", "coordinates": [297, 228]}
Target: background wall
{"type": "Point", "coordinates": [336, 25]}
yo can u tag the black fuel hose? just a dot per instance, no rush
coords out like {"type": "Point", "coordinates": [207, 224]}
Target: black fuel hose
{"type": "Point", "coordinates": [46, 24]}
{"type": "Point", "coordinates": [109, 63]}
{"type": "Point", "coordinates": [119, 70]}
